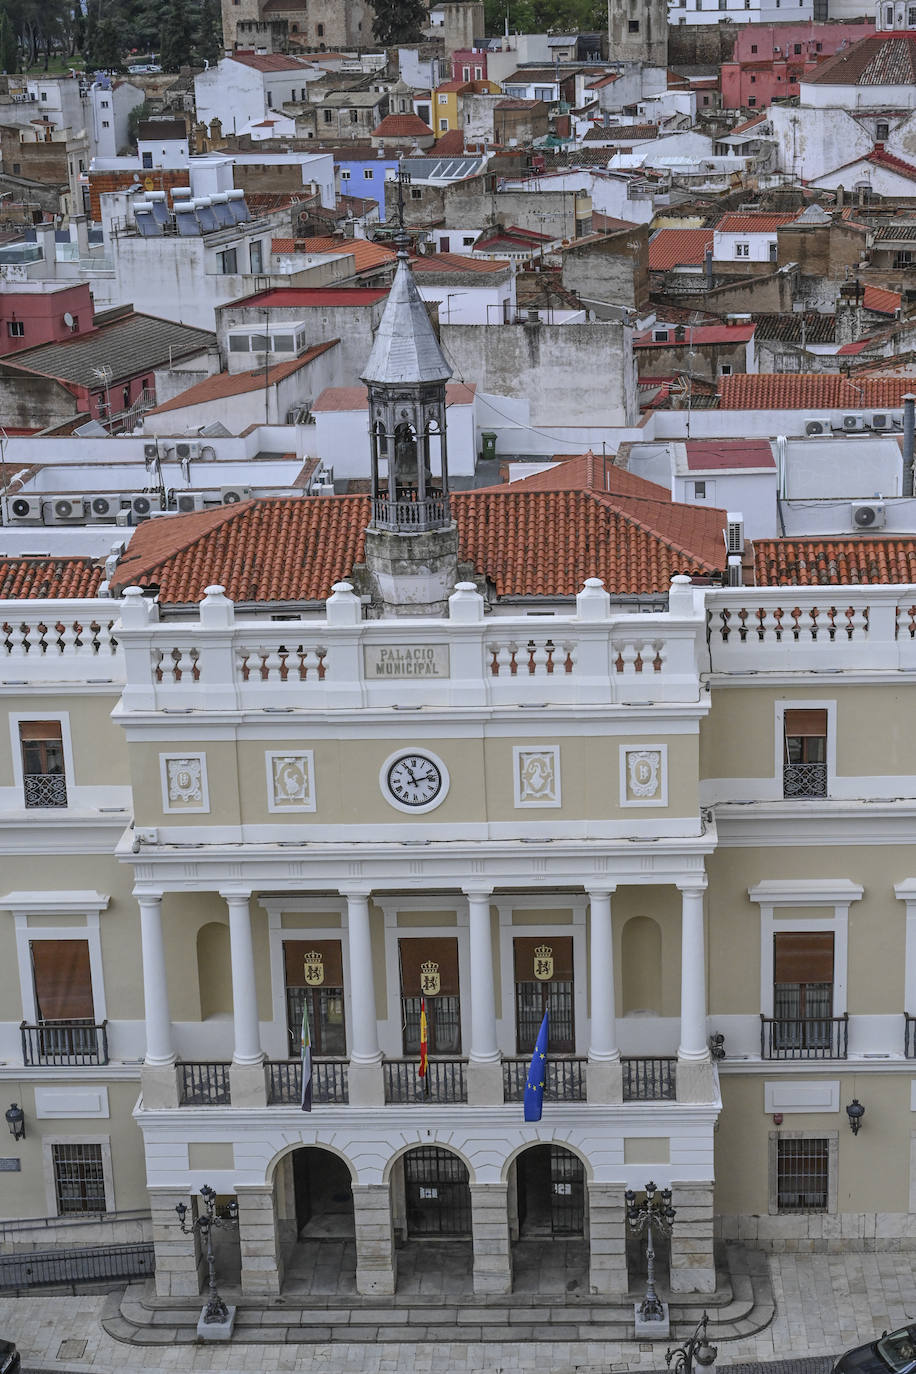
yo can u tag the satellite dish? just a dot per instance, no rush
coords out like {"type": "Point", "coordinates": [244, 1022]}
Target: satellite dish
{"type": "Point", "coordinates": [68, 319]}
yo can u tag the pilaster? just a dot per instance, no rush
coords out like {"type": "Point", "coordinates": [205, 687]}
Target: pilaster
{"type": "Point", "coordinates": [693, 1268]}
{"type": "Point", "coordinates": [180, 1263]}
{"type": "Point", "coordinates": [259, 1242]}
{"type": "Point", "coordinates": [375, 1255]}
{"type": "Point", "coordinates": [248, 1085]}
{"type": "Point", "coordinates": [490, 1229]}
{"type": "Point", "coordinates": [607, 1231]}
{"type": "Point", "coordinates": [159, 1086]}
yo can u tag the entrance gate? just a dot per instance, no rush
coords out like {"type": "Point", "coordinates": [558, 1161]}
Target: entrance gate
{"type": "Point", "coordinates": [438, 1197]}
{"type": "Point", "coordinates": [551, 1192]}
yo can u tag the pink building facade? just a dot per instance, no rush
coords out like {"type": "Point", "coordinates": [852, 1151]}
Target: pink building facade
{"type": "Point", "coordinates": [769, 59]}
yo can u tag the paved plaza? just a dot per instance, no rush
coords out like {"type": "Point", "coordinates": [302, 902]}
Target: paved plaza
{"type": "Point", "coordinates": [823, 1304]}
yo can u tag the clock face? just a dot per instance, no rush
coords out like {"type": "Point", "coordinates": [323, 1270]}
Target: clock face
{"type": "Point", "coordinates": [414, 780]}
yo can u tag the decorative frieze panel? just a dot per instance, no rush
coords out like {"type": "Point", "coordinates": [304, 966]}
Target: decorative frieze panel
{"type": "Point", "coordinates": [537, 775]}
{"type": "Point", "coordinates": [184, 782]}
{"type": "Point", "coordinates": [291, 781]}
{"type": "Point", "coordinates": [644, 775]}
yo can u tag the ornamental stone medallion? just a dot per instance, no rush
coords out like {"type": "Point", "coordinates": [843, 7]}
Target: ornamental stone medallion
{"type": "Point", "coordinates": [290, 781]}
{"type": "Point", "coordinates": [643, 780]}
{"type": "Point", "coordinates": [184, 782]}
{"type": "Point", "coordinates": [537, 777]}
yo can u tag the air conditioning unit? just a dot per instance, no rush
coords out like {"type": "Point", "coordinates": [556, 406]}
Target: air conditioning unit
{"type": "Point", "coordinates": [103, 509]}
{"type": "Point", "coordinates": [22, 510]}
{"type": "Point", "coordinates": [881, 419]}
{"type": "Point", "coordinates": [151, 452]}
{"type": "Point", "coordinates": [299, 415]}
{"type": "Point", "coordinates": [870, 516]}
{"type": "Point", "coordinates": [734, 533]}
{"type": "Point", "coordinates": [186, 449]}
{"type": "Point", "coordinates": [818, 424]}
{"type": "Point", "coordinates": [230, 496]}
{"type": "Point", "coordinates": [64, 510]}
{"type": "Point", "coordinates": [853, 423]}
{"type": "Point", "coordinates": [188, 501]}
{"type": "Point", "coordinates": [143, 504]}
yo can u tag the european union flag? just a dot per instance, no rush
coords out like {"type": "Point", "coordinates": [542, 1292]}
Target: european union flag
{"type": "Point", "coordinates": [537, 1076]}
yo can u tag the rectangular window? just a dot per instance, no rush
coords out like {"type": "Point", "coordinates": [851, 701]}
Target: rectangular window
{"type": "Point", "coordinates": [802, 1175]}
{"type": "Point", "coordinates": [327, 116]}
{"type": "Point", "coordinates": [256, 256]}
{"type": "Point", "coordinates": [881, 131]}
{"type": "Point", "coordinates": [105, 124]}
{"type": "Point", "coordinates": [443, 100]}
{"type": "Point", "coordinates": [270, 99]}
{"type": "Point", "coordinates": [345, 173]}
{"type": "Point", "coordinates": [239, 343]}
{"type": "Point", "coordinates": [354, 116]}
{"type": "Point", "coordinates": [314, 973]}
{"type": "Point", "coordinates": [753, 80]}
{"type": "Point", "coordinates": [753, 47]}
{"type": "Point", "coordinates": [368, 174]}
{"type": "Point", "coordinates": [803, 963]}
{"type": "Point", "coordinates": [797, 49]}
{"type": "Point", "coordinates": [79, 1181]}
{"type": "Point", "coordinates": [147, 159]}
{"type": "Point", "coordinates": [416, 193]}
{"type": "Point", "coordinates": [43, 772]}
{"type": "Point", "coordinates": [65, 1030]}
{"type": "Point", "coordinates": [228, 262]}
{"type": "Point", "coordinates": [466, 73]}
{"type": "Point", "coordinates": [804, 771]}
{"type": "Point", "coordinates": [478, 71]}
{"type": "Point", "coordinates": [443, 125]}
{"type": "Point", "coordinates": [725, 370]}
{"type": "Point", "coordinates": [633, 26]}
{"type": "Point", "coordinates": [752, 100]}
{"type": "Point", "coordinates": [742, 250]}
{"type": "Point", "coordinates": [15, 329]}
{"type": "Point", "coordinates": [544, 982]}
{"type": "Point", "coordinates": [429, 969]}
{"type": "Point", "coordinates": [699, 491]}
{"type": "Point", "coordinates": [660, 335]}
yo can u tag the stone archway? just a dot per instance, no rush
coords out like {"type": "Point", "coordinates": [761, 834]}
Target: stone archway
{"type": "Point", "coordinates": [432, 1216]}
{"type": "Point", "coordinates": [313, 1198]}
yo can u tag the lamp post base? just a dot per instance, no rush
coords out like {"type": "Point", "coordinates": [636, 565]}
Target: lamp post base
{"type": "Point", "coordinates": [215, 1331]}
{"type": "Point", "coordinates": [651, 1328]}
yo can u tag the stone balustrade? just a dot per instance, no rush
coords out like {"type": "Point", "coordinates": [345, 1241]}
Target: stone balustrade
{"type": "Point", "coordinates": [60, 641]}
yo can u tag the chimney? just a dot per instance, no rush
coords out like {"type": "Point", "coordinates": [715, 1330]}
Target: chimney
{"type": "Point", "coordinates": [44, 237]}
{"type": "Point", "coordinates": [82, 233]}
{"type": "Point", "coordinates": [909, 426]}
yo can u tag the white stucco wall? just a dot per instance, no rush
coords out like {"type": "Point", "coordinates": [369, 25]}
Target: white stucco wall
{"type": "Point", "coordinates": [812, 141]}
{"type": "Point", "coordinates": [342, 441]}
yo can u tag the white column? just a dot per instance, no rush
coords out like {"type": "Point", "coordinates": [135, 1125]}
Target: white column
{"type": "Point", "coordinates": [159, 1049]}
{"type": "Point", "coordinates": [603, 1046]}
{"type": "Point", "coordinates": [244, 989]}
{"type": "Point", "coordinates": [693, 972]}
{"type": "Point", "coordinates": [365, 1048]}
{"type": "Point", "coordinates": [484, 1049]}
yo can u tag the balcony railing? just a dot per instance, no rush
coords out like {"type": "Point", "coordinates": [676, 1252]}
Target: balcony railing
{"type": "Point", "coordinates": [329, 1081]}
{"type": "Point", "coordinates": [564, 1082]}
{"type": "Point", "coordinates": [64, 1042]}
{"type": "Point", "coordinates": [804, 1037]}
{"type": "Point", "coordinates": [446, 1081]}
{"type": "Point", "coordinates": [909, 1035]}
{"type": "Point", "coordinates": [203, 1084]}
{"type": "Point", "coordinates": [45, 789]}
{"type": "Point", "coordinates": [429, 514]}
{"type": "Point", "coordinates": [648, 1079]}
{"type": "Point", "coordinates": [804, 780]}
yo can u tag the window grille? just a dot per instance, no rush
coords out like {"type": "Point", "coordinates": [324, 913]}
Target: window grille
{"type": "Point", "coordinates": [79, 1182]}
{"type": "Point", "coordinates": [801, 1175]}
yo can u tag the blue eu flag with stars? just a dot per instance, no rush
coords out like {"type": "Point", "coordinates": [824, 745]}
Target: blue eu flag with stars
{"type": "Point", "coordinates": [537, 1075]}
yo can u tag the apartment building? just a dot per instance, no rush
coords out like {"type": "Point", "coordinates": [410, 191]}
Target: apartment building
{"type": "Point", "coordinates": [588, 779]}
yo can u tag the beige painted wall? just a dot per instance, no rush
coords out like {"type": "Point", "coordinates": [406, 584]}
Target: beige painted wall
{"type": "Point", "coordinates": [99, 746]}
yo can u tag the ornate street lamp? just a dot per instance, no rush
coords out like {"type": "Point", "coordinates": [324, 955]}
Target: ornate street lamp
{"type": "Point", "coordinates": [216, 1319]}
{"type": "Point", "coordinates": [15, 1119]}
{"type": "Point", "coordinates": [697, 1348]}
{"type": "Point", "coordinates": [855, 1111]}
{"type": "Point", "coordinates": [655, 1214]}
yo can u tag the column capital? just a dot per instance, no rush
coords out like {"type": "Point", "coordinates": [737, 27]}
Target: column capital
{"type": "Point", "coordinates": [693, 886]}
{"type": "Point", "coordinates": [355, 893]}
{"type": "Point", "coordinates": [599, 890]}
{"type": "Point", "coordinates": [143, 894]}
{"type": "Point", "coordinates": [235, 894]}
{"type": "Point", "coordinates": [479, 890]}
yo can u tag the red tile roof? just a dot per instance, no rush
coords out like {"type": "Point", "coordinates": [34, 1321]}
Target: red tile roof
{"type": "Point", "coordinates": [527, 542]}
{"type": "Point", "coordinates": [319, 297]}
{"type": "Point", "coordinates": [449, 144]}
{"type": "Point", "coordinates": [669, 248]}
{"type": "Point", "coordinates": [456, 262]}
{"type": "Point", "coordinates": [402, 126]}
{"type": "Point", "coordinates": [706, 455]}
{"type": "Point", "coordinates": [34, 578]}
{"type": "Point", "coordinates": [366, 254]}
{"type": "Point", "coordinates": [868, 559]}
{"type": "Point", "coordinates": [882, 59]}
{"type": "Point", "coordinates": [812, 391]}
{"type": "Point", "coordinates": [270, 61]}
{"type": "Point", "coordinates": [752, 224]}
{"type": "Point", "coordinates": [893, 164]}
{"type": "Point", "coordinates": [225, 384]}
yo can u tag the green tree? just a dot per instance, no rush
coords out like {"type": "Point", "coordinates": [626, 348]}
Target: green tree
{"type": "Point", "coordinates": [9, 47]}
{"type": "Point", "coordinates": [399, 21]}
{"type": "Point", "coordinates": [104, 44]}
{"type": "Point", "coordinates": [177, 36]}
{"type": "Point", "coordinates": [134, 116]}
{"type": "Point", "coordinates": [209, 43]}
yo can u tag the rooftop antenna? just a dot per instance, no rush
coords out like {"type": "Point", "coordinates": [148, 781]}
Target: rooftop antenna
{"type": "Point", "coordinates": [401, 238]}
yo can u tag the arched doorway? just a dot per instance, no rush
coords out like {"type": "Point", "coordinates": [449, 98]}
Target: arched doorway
{"type": "Point", "coordinates": [314, 1201]}
{"type": "Point", "coordinates": [548, 1202]}
{"type": "Point", "coordinates": [431, 1202]}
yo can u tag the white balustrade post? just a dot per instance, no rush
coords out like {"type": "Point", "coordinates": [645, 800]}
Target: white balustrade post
{"type": "Point", "coordinates": [247, 1072]}
{"type": "Point", "coordinates": [365, 1077]}
{"type": "Point", "coordinates": [485, 1086]}
{"type": "Point", "coordinates": [160, 1084]}
{"type": "Point", "coordinates": [694, 1076]}
{"type": "Point", "coordinates": [605, 1075]}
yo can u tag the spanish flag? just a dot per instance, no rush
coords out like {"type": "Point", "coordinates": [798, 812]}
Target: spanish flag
{"type": "Point", "coordinates": [423, 1070]}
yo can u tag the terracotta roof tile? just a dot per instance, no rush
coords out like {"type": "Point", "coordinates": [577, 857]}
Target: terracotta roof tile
{"type": "Point", "coordinates": [882, 302]}
{"type": "Point", "coordinates": [402, 126]}
{"type": "Point", "coordinates": [753, 223]}
{"type": "Point", "coordinates": [809, 390]}
{"type": "Point", "coordinates": [527, 542]}
{"type": "Point", "coordinates": [35, 578]}
{"type": "Point", "coordinates": [224, 384]}
{"type": "Point", "coordinates": [670, 248]}
{"type": "Point", "coordinates": [456, 262]}
{"type": "Point", "coordinates": [366, 254]}
{"type": "Point", "coordinates": [866, 560]}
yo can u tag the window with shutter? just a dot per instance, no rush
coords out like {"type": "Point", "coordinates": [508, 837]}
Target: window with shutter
{"type": "Point", "coordinates": [314, 973]}
{"type": "Point", "coordinates": [43, 773]}
{"type": "Point", "coordinates": [544, 982]}
{"type": "Point", "coordinates": [429, 969]}
{"type": "Point", "coordinates": [803, 989]}
{"type": "Point", "coordinates": [805, 753]}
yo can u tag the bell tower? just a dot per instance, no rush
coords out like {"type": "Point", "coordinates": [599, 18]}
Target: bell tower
{"type": "Point", "coordinates": [638, 31]}
{"type": "Point", "coordinates": [411, 541]}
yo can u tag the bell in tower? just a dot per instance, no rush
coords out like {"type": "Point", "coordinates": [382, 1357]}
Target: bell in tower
{"type": "Point", "coordinates": [411, 542]}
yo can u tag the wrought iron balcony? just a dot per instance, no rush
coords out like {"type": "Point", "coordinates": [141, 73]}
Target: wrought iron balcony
{"type": "Point", "coordinates": [804, 780]}
{"type": "Point", "coordinates": [564, 1081]}
{"type": "Point", "coordinates": [329, 1081]}
{"type": "Point", "coordinates": [414, 517]}
{"type": "Point", "coordinates": [649, 1079]}
{"type": "Point", "coordinates": [64, 1042]}
{"type": "Point", "coordinates": [45, 789]}
{"type": "Point", "coordinates": [446, 1081]}
{"type": "Point", "coordinates": [203, 1084]}
{"type": "Point", "coordinates": [804, 1037]}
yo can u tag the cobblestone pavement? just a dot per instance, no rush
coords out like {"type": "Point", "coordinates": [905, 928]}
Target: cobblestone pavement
{"type": "Point", "coordinates": [825, 1303]}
